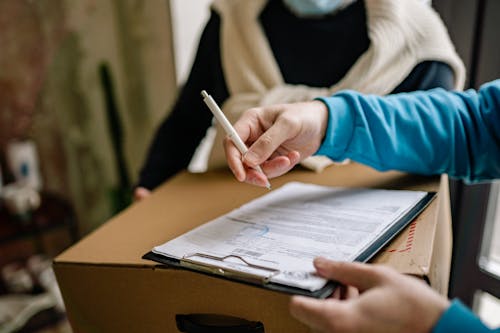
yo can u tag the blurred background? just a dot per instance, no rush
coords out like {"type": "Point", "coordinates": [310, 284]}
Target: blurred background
{"type": "Point", "coordinates": [83, 86]}
{"type": "Point", "coordinates": [88, 82]}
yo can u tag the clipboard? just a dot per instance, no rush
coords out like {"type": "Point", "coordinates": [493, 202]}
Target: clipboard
{"type": "Point", "coordinates": [187, 261]}
{"type": "Point", "coordinates": [239, 277]}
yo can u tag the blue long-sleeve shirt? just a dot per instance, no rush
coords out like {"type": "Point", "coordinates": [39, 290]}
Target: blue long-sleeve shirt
{"type": "Point", "coordinates": [427, 133]}
{"type": "Point", "coordinates": [431, 132]}
{"type": "Point", "coordinates": [459, 319]}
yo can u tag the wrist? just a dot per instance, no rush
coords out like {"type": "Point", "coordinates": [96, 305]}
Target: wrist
{"type": "Point", "coordinates": [339, 130]}
{"type": "Point", "coordinates": [458, 318]}
{"type": "Point", "coordinates": [439, 307]}
{"type": "Point", "coordinates": [323, 114]}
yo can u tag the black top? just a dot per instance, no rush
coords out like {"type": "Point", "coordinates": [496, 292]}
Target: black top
{"type": "Point", "coordinates": [316, 52]}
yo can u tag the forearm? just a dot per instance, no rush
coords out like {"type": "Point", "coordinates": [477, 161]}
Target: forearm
{"type": "Point", "coordinates": [426, 133]}
{"type": "Point", "coordinates": [179, 135]}
{"type": "Point", "coordinates": [170, 152]}
{"type": "Point", "coordinates": [428, 75]}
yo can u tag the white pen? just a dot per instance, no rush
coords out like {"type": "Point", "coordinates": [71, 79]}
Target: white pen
{"type": "Point", "coordinates": [229, 129]}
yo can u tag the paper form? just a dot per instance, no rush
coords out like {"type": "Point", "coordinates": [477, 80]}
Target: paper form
{"type": "Point", "coordinates": [286, 229]}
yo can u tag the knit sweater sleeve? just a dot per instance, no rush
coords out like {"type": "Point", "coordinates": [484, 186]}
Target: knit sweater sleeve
{"type": "Point", "coordinates": [178, 136]}
{"type": "Point", "coordinates": [458, 319]}
{"type": "Point", "coordinates": [421, 132]}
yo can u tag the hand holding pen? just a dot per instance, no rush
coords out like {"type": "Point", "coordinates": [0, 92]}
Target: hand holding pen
{"type": "Point", "coordinates": [279, 136]}
{"type": "Point", "coordinates": [233, 136]}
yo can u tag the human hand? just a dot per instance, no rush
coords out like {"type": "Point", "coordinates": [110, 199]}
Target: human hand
{"type": "Point", "coordinates": [278, 136]}
{"type": "Point", "coordinates": [141, 193]}
{"type": "Point", "coordinates": [389, 302]}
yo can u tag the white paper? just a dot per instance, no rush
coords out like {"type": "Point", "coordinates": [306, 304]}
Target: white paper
{"type": "Point", "coordinates": [287, 228]}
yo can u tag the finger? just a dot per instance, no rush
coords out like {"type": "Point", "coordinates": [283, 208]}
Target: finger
{"type": "Point", "coordinates": [248, 120]}
{"type": "Point", "coordinates": [337, 293]}
{"type": "Point", "coordinates": [280, 165]}
{"type": "Point", "coordinates": [350, 292]}
{"type": "Point", "coordinates": [249, 126]}
{"type": "Point", "coordinates": [294, 157]}
{"type": "Point", "coordinates": [343, 292]}
{"type": "Point", "coordinates": [255, 177]}
{"type": "Point", "coordinates": [280, 151]}
{"type": "Point", "coordinates": [361, 276]}
{"type": "Point", "coordinates": [313, 312]}
{"type": "Point", "coordinates": [267, 144]}
{"type": "Point", "coordinates": [233, 157]}
{"type": "Point", "coordinates": [272, 168]}
{"type": "Point", "coordinates": [248, 129]}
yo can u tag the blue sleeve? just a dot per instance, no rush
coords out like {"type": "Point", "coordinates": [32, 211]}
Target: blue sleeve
{"type": "Point", "coordinates": [458, 318]}
{"type": "Point", "coordinates": [427, 133]}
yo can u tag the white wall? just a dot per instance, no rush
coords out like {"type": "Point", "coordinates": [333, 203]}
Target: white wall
{"type": "Point", "coordinates": [188, 19]}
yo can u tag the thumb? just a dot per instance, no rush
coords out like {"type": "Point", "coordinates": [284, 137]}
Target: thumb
{"type": "Point", "coordinates": [277, 128]}
{"type": "Point", "coordinates": [315, 313]}
{"type": "Point", "coordinates": [361, 276]}
{"type": "Point", "coordinates": [268, 143]}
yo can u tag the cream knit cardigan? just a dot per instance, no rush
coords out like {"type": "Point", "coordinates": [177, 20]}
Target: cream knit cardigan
{"type": "Point", "coordinates": [403, 33]}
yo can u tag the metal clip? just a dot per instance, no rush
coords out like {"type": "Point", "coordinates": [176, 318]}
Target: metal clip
{"type": "Point", "coordinates": [189, 262]}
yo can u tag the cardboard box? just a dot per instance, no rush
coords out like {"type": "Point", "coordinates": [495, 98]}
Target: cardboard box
{"type": "Point", "coordinates": [107, 287]}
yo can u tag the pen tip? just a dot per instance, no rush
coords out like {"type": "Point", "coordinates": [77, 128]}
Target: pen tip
{"type": "Point", "coordinates": [204, 94]}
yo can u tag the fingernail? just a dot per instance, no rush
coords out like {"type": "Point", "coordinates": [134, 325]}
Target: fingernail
{"type": "Point", "coordinates": [253, 180]}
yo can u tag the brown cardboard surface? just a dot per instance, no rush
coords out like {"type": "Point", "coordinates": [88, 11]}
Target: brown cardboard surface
{"type": "Point", "coordinates": [107, 287]}
{"type": "Point", "coordinates": [147, 300]}
{"type": "Point", "coordinates": [424, 247]}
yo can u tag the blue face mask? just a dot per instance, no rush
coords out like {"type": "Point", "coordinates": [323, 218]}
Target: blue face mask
{"type": "Point", "coordinates": [315, 7]}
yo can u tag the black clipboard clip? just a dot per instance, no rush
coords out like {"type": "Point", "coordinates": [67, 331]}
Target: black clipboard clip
{"type": "Point", "coordinates": [188, 262]}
